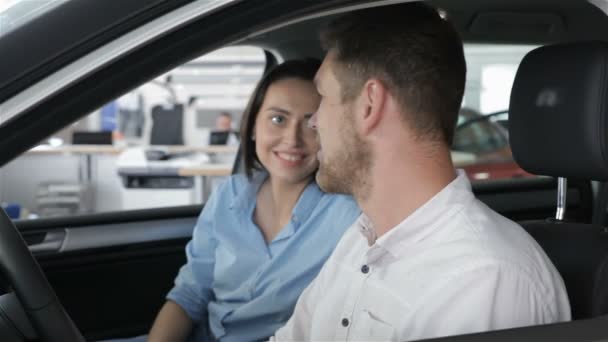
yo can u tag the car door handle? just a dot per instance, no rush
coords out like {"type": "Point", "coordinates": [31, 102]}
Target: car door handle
{"type": "Point", "coordinates": [52, 242]}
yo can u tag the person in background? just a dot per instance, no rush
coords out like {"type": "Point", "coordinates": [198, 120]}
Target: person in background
{"type": "Point", "coordinates": [223, 133]}
{"type": "Point", "coordinates": [223, 122]}
{"type": "Point", "coordinates": [426, 258]}
{"type": "Point", "coordinates": [263, 236]}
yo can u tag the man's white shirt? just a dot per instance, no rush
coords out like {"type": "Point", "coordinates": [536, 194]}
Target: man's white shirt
{"type": "Point", "coordinates": [452, 267]}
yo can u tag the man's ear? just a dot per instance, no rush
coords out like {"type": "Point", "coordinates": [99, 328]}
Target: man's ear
{"type": "Point", "coordinates": [374, 97]}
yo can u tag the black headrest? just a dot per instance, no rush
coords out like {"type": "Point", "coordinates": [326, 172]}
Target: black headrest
{"type": "Point", "coordinates": [558, 115]}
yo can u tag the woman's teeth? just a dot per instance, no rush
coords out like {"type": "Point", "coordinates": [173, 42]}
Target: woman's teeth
{"type": "Point", "coordinates": [291, 157]}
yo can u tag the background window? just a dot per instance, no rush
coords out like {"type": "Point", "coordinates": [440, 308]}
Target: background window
{"type": "Point", "coordinates": [165, 143]}
{"type": "Point", "coordinates": [481, 141]}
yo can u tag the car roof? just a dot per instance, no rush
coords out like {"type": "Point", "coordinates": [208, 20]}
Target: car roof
{"type": "Point", "coordinates": [530, 22]}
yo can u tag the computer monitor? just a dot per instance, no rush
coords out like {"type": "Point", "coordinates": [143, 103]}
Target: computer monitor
{"type": "Point", "coordinates": [92, 138]}
{"type": "Point", "coordinates": [167, 128]}
{"type": "Point", "coordinates": [219, 137]}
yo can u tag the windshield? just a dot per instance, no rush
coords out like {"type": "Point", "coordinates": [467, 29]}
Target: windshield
{"type": "Point", "coordinates": [14, 13]}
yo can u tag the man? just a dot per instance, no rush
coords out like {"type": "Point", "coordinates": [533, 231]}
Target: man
{"type": "Point", "coordinates": [223, 122]}
{"type": "Point", "coordinates": [426, 259]}
{"type": "Point", "coordinates": [223, 133]}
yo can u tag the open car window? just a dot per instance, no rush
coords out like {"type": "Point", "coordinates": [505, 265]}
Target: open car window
{"type": "Point", "coordinates": [155, 146]}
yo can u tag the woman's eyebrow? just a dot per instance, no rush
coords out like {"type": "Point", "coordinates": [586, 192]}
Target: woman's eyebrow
{"type": "Point", "coordinates": [277, 109]}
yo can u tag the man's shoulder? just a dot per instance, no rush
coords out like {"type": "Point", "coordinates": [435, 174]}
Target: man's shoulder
{"type": "Point", "coordinates": [485, 237]}
{"type": "Point", "coordinates": [480, 222]}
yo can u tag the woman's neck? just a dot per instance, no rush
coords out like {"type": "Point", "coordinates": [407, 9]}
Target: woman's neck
{"type": "Point", "coordinates": [285, 196]}
{"type": "Point", "coordinates": [275, 202]}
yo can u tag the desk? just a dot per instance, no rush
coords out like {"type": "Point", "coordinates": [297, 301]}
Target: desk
{"type": "Point", "coordinates": [85, 152]}
{"type": "Point", "coordinates": [109, 149]}
{"type": "Point", "coordinates": [201, 149]}
{"type": "Point", "coordinates": [85, 173]}
{"type": "Point", "coordinates": [89, 156]}
{"type": "Point", "coordinates": [204, 172]}
{"type": "Point", "coordinates": [76, 149]}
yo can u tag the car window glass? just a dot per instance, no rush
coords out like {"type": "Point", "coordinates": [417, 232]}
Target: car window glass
{"type": "Point", "coordinates": [166, 143]}
{"type": "Point", "coordinates": [481, 145]}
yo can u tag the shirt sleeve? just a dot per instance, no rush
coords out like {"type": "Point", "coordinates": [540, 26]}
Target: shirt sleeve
{"type": "Point", "coordinates": [192, 290]}
{"type": "Point", "coordinates": [299, 325]}
{"type": "Point", "coordinates": [487, 298]}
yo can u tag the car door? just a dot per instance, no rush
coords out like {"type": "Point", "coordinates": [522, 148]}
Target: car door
{"type": "Point", "coordinates": [111, 271]}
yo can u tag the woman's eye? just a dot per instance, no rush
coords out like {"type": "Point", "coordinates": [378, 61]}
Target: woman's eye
{"type": "Point", "coordinates": [277, 119]}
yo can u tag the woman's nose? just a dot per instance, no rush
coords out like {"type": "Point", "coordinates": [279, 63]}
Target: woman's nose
{"type": "Point", "coordinates": [312, 122]}
{"type": "Point", "coordinates": [293, 134]}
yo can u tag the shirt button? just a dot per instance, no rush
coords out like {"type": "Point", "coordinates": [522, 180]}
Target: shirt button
{"type": "Point", "coordinates": [364, 269]}
{"type": "Point", "coordinates": [344, 322]}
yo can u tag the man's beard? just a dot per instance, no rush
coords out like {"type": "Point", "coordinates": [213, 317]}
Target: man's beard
{"type": "Point", "coordinates": [347, 170]}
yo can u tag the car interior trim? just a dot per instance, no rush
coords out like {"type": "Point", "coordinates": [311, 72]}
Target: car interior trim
{"type": "Point", "coordinates": [99, 236]}
{"type": "Point", "coordinates": [323, 14]}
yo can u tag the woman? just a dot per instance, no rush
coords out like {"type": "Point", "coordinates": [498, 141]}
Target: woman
{"type": "Point", "coordinates": [262, 237]}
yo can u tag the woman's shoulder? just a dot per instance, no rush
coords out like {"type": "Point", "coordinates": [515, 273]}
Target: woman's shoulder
{"type": "Point", "coordinates": [339, 198]}
{"type": "Point", "coordinates": [228, 193]}
{"type": "Point", "coordinates": [336, 210]}
{"type": "Point", "coordinates": [237, 181]}
{"type": "Point", "coordinates": [342, 202]}
{"type": "Point", "coordinates": [232, 185]}
{"type": "Point", "coordinates": [239, 184]}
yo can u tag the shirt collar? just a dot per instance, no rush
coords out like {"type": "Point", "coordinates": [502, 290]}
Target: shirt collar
{"type": "Point", "coordinates": [310, 197]}
{"type": "Point", "coordinates": [307, 202]}
{"type": "Point", "coordinates": [424, 220]}
{"type": "Point", "coordinates": [246, 195]}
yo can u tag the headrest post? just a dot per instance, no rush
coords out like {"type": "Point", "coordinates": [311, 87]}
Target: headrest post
{"type": "Point", "coordinates": [562, 189]}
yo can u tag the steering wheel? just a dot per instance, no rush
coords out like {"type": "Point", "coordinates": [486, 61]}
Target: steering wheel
{"type": "Point", "coordinates": [28, 283]}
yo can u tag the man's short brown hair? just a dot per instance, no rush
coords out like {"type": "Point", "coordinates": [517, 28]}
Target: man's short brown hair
{"type": "Point", "coordinates": [415, 52]}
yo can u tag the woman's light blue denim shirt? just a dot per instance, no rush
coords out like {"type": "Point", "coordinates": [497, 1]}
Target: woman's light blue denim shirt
{"type": "Point", "coordinates": [237, 285]}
